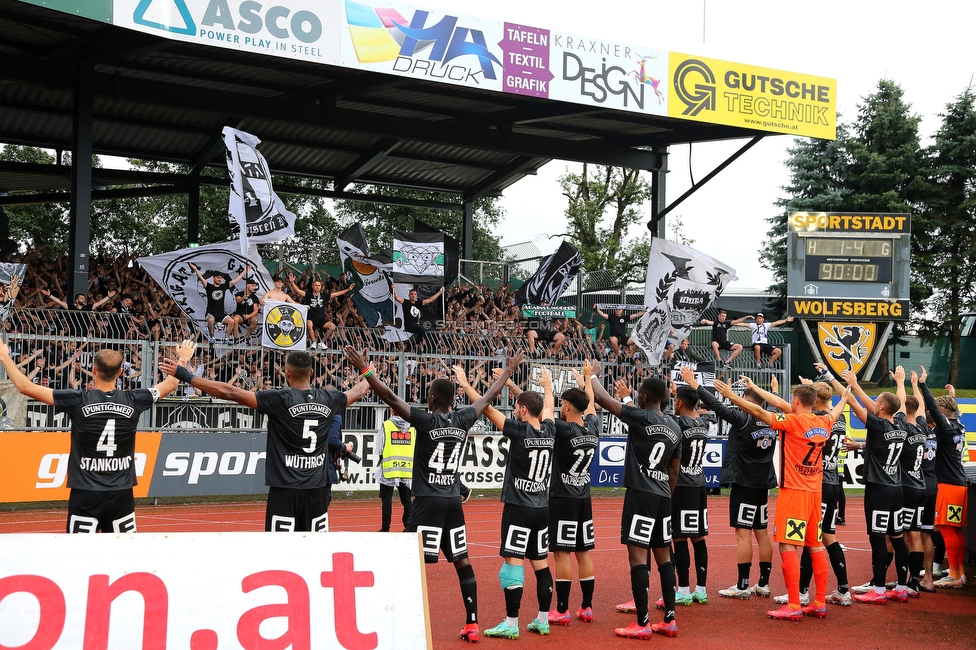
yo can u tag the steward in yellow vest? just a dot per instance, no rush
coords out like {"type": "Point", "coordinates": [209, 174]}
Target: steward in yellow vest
{"type": "Point", "coordinates": [396, 467]}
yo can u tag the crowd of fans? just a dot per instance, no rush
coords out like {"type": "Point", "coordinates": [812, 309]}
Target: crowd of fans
{"type": "Point", "coordinates": [481, 325]}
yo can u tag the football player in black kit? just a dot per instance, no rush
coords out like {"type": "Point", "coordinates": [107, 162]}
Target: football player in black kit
{"type": "Point", "coordinates": [882, 491]}
{"type": "Point", "coordinates": [749, 468]}
{"type": "Point", "coordinates": [570, 507]}
{"type": "Point", "coordinates": [525, 493]}
{"type": "Point", "coordinates": [299, 454]}
{"type": "Point", "coordinates": [689, 500]}
{"type": "Point", "coordinates": [651, 465]}
{"type": "Point", "coordinates": [215, 292]}
{"type": "Point", "coordinates": [441, 435]}
{"type": "Point", "coordinates": [101, 465]}
{"type": "Point", "coordinates": [412, 311]}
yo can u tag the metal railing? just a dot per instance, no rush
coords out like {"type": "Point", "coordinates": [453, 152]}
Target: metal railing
{"type": "Point", "coordinates": [63, 359]}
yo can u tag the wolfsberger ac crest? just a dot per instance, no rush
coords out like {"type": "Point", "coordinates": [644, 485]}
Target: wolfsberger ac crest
{"type": "Point", "coordinates": [284, 326]}
{"type": "Point", "coordinates": [847, 346]}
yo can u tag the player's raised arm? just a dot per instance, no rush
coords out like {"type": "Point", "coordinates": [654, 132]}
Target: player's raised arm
{"type": "Point", "coordinates": [183, 354]}
{"type": "Point", "coordinates": [359, 362]}
{"type": "Point", "coordinates": [838, 409]}
{"type": "Point", "coordinates": [772, 399]}
{"type": "Point", "coordinates": [513, 388]}
{"type": "Point", "coordinates": [601, 396]}
{"type": "Point", "coordinates": [218, 389]}
{"type": "Point", "coordinates": [494, 416]}
{"type": "Point", "coordinates": [856, 408]}
{"type": "Point", "coordinates": [918, 394]}
{"type": "Point", "coordinates": [20, 381]}
{"type": "Point", "coordinates": [549, 402]}
{"type": "Point", "coordinates": [899, 376]}
{"type": "Point", "coordinates": [511, 363]}
{"type": "Point", "coordinates": [583, 381]}
{"type": "Point", "coordinates": [357, 392]}
{"type": "Point", "coordinates": [744, 405]}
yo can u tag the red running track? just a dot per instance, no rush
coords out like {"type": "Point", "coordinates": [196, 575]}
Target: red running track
{"type": "Point", "coordinates": [941, 620]}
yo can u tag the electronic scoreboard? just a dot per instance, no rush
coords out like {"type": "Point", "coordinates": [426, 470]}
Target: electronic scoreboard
{"type": "Point", "coordinates": [848, 266]}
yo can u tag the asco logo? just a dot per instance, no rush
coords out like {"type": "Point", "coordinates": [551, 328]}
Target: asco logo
{"type": "Point", "coordinates": [277, 22]}
{"type": "Point", "coordinates": [694, 84]}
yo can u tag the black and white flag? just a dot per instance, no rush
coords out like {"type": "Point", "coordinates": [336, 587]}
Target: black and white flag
{"type": "Point", "coordinates": [173, 273]}
{"type": "Point", "coordinates": [11, 278]}
{"type": "Point", "coordinates": [418, 258]}
{"type": "Point", "coordinates": [553, 277]}
{"type": "Point", "coordinates": [681, 284]}
{"type": "Point", "coordinates": [254, 208]}
{"type": "Point", "coordinates": [373, 292]}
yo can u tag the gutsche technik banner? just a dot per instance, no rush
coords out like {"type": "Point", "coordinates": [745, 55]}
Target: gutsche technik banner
{"type": "Point", "coordinates": [442, 46]}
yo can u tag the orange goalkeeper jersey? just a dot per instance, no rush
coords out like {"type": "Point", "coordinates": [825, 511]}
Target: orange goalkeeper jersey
{"type": "Point", "coordinates": [801, 449]}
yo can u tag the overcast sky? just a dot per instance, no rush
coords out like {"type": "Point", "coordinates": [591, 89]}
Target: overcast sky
{"type": "Point", "coordinates": [929, 52]}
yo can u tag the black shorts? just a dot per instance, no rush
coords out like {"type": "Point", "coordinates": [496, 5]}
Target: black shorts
{"type": "Point", "coordinates": [829, 496]}
{"type": "Point", "coordinates": [646, 520]}
{"type": "Point", "coordinates": [912, 505]}
{"type": "Point", "coordinates": [440, 523]}
{"type": "Point", "coordinates": [724, 345]}
{"type": "Point", "coordinates": [525, 532]}
{"type": "Point", "coordinates": [928, 512]}
{"type": "Point", "coordinates": [689, 511]}
{"type": "Point", "coordinates": [219, 318]}
{"type": "Point", "coordinates": [571, 524]}
{"type": "Point", "coordinates": [292, 510]}
{"type": "Point", "coordinates": [318, 323]}
{"type": "Point", "coordinates": [94, 511]}
{"type": "Point", "coordinates": [764, 348]}
{"type": "Point", "coordinates": [749, 507]}
{"type": "Point", "coordinates": [882, 509]}
{"type": "Point", "coordinates": [546, 335]}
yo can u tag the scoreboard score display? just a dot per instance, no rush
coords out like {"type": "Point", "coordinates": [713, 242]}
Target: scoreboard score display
{"type": "Point", "coordinates": [849, 266]}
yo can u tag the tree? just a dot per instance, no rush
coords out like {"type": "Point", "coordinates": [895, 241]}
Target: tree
{"type": "Point", "coordinates": [604, 202]}
{"type": "Point", "coordinates": [37, 227]}
{"type": "Point", "coordinates": [380, 221]}
{"type": "Point", "coordinates": [818, 169]}
{"type": "Point", "coordinates": [944, 235]}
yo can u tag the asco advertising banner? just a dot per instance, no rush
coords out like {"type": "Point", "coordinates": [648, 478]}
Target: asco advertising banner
{"type": "Point", "coordinates": [397, 38]}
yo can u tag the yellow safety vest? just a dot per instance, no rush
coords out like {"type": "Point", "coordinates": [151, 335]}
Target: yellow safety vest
{"type": "Point", "coordinates": [397, 451]}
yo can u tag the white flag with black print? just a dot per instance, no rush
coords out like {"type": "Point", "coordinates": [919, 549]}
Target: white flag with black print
{"type": "Point", "coordinates": [12, 276]}
{"type": "Point", "coordinates": [256, 211]}
{"type": "Point", "coordinates": [418, 257]}
{"type": "Point", "coordinates": [173, 273]}
{"type": "Point", "coordinates": [681, 284]}
{"type": "Point", "coordinates": [283, 325]}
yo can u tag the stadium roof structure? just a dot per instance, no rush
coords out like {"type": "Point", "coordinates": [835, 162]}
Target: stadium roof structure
{"type": "Point", "coordinates": [74, 83]}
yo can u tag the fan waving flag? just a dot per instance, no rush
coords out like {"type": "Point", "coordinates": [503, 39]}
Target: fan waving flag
{"type": "Point", "coordinates": [553, 277]}
{"type": "Point", "coordinates": [254, 208]}
{"type": "Point", "coordinates": [418, 258]}
{"type": "Point", "coordinates": [681, 284]}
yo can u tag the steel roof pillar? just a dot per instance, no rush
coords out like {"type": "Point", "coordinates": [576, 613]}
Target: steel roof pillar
{"type": "Point", "coordinates": [81, 177]}
{"type": "Point", "coordinates": [467, 243]}
{"type": "Point", "coordinates": [659, 195]}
